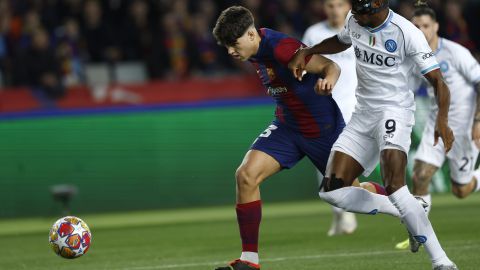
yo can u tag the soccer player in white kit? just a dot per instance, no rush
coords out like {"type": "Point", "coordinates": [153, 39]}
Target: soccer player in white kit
{"type": "Point", "coordinates": [462, 74]}
{"type": "Point", "coordinates": [388, 49]}
{"type": "Point", "coordinates": [344, 92]}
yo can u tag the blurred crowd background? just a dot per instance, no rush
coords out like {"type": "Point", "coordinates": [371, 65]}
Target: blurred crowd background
{"type": "Point", "coordinates": [49, 43]}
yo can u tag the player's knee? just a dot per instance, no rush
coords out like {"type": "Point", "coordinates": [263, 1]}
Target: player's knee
{"type": "Point", "coordinates": [460, 191]}
{"type": "Point", "coordinates": [246, 177]}
{"type": "Point", "coordinates": [421, 177]}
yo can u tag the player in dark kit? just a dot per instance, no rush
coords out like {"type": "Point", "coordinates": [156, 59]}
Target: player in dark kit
{"type": "Point", "coordinates": [307, 119]}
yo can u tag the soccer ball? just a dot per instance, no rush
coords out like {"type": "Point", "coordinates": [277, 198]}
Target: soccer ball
{"type": "Point", "coordinates": [70, 237]}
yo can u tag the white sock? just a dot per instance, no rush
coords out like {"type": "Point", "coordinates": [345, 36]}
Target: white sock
{"type": "Point", "coordinates": [476, 174]}
{"type": "Point", "coordinates": [359, 200]}
{"type": "Point", "coordinates": [428, 199]}
{"type": "Point", "coordinates": [414, 217]}
{"type": "Point", "coordinates": [250, 257]}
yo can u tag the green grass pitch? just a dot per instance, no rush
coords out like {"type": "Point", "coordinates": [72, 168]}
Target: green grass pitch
{"type": "Point", "coordinates": [293, 237]}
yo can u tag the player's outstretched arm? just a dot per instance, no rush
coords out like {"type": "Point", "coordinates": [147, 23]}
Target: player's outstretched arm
{"type": "Point", "coordinates": [442, 96]}
{"type": "Point", "coordinates": [329, 71]}
{"type": "Point", "coordinates": [476, 120]}
{"type": "Point", "coordinates": [328, 46]}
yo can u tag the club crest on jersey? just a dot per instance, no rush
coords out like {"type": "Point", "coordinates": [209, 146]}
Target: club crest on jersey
{"type": "Point", "coordinates": [271, 74]}
{"type": "Point", "coordinates": [391, 45]}
{"type": "Point", "coordinates": [444, 66]}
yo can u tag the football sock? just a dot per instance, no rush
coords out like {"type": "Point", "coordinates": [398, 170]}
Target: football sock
{"type": "Point", "coordinates": [359, 200]}
{"type": "Point", "coordinates": [428, 199]}
{"type": "Point", "coordinates": [476, 174]}
{"type": "Point", "coordinates": [414, 217]}
{"type": "Point", "coordinates": [249, 216]}
{"type": "Point", "coordinates": [250, 257]}
{"type": "Point", "coordinates": [337, 210]}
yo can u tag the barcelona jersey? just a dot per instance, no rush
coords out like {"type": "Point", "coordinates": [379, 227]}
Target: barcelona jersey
{"type": "Point", "coordinates": [299, 107]}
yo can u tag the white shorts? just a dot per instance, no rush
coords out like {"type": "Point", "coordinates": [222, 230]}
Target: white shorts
{"type": "Point", "coordinates": [370, 132]}
{"type": "Point", "coordinates": [461, 158]}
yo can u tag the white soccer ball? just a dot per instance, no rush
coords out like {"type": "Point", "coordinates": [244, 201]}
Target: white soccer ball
{"type": "Point", "coordinates": [70, 237]}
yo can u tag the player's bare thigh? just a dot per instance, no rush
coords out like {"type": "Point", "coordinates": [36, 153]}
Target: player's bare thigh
{"type": "Point", "coordinates": [393, 163]}
{"type": "Point", "coordinates": [344, 168]}
{"type": "Point", "coordinates": [256, 167]}
{"type": "Point", "coordinates": [422, 176]}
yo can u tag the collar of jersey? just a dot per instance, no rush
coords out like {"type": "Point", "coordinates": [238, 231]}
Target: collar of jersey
{"type": "Point", "coordinates": [383, 25]}
{"type": "Point", "coordinates": [440, 46]}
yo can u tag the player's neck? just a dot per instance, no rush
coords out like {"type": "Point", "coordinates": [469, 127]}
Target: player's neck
{"type": "Point", "coordinates": [434, 43]}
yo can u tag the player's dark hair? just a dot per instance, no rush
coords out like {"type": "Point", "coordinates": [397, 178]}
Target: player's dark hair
{"type": "Point", "coordinates": [422, 8]}
{"type": "Point", "coordinates": [232, 23]}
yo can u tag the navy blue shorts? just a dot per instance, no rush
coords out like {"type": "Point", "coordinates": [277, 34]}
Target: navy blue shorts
{"type": "Point", "coordinates": [288, 146]}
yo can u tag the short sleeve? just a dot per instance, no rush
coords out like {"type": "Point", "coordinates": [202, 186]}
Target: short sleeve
{"type": "Point", "coordinates": [344, 35]}
{"type": "Point", "coordinates": [286, 48]}
{"type": "Point", "coordinates": [468, 65]}
{"type": "Point", "coordinates": [417, 48]}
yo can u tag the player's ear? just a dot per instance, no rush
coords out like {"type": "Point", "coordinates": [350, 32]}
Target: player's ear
{"type": "Point", "coordinates": [251, 33]}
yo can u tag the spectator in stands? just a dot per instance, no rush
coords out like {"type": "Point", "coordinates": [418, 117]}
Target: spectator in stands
{"type": "Point", "coordinates": [39, 67]}
{"type": "Point", "coordinates": [169, 35]}
{"type": "Point", "coordinates": [100, 45]}
{"type": "Point", "coordinates": [456, 27]}
{"type": "Point", "coordinates": [173, 49]}
{"type": "Point", "coordinates": [68, 49]}
{"type": "Point", "coordinates": [138, 32]}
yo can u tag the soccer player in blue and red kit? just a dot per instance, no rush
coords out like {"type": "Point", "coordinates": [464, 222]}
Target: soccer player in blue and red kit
{"type": "Point", "coordinates": [307, 119]}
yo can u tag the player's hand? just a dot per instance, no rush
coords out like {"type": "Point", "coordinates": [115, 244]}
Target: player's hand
{"type": "Point", "coordinates": [442, 130]}
{"type": "Point", "coordinates": [476, 133]}
{"type": "Point", "coordinates": [323, 87]}
{"type": "Point", "coordinates": [297, 64]}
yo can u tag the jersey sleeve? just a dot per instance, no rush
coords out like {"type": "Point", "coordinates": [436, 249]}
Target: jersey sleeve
{"type": "Point", "coordinates": [417, 48]}
{"type": "Point", "coordinates": [467, 65]}
{"type": "Point", "coordinates": [286, 48]}
{"type": "Point", "coordinates": [344, 35]}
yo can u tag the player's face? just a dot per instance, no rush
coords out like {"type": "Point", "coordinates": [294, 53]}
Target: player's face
{"type": "Point", "coordinates": [336, 11]}
{"type": "Point", "coordinates": [427, 25]}
{"type": "Point", "coordinates": [244, 48]}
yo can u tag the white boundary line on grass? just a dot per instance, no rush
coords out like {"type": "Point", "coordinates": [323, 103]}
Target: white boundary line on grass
{"type": "Point", "coordinates": [306, 257]}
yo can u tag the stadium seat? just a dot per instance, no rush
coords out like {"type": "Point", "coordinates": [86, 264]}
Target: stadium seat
{"type": "Point", "coordinates": [130, 72]}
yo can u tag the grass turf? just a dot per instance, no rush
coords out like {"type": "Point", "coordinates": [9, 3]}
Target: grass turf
{"type": "Point", "coordinates": [293, 237]}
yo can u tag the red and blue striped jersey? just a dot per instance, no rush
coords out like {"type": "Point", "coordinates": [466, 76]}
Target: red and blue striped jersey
{"type": "Point", "coordinates": [298, 106]}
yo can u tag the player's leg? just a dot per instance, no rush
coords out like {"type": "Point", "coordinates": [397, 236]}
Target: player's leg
{"type": "Point", "coordinates": [422, 176]}
{"type": "Point", "coordinates": [273, 150]}
{"type": "Point", "coordinates": [338, 190]}
{"type": "Point", "coordinates": [256, 167]}
{"type": "Point", "coordinates": [354, 153]}
{"type": "Point", "coordinates": [462, 159]}
{"type": "Point", "coordinates": [393, 164]}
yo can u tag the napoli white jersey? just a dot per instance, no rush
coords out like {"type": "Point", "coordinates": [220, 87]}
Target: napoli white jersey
{"type": "Point", "coordinates": [461, 72]}
{"type": "Point", "coordinates": [344, 90]}
{"type": "Point", "coordinates": [386, 58]}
